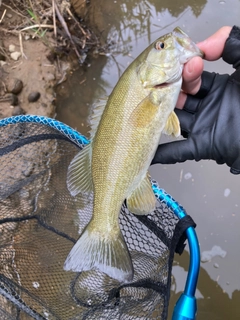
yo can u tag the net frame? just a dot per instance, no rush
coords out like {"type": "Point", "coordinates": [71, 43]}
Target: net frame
{"type": "Point", "coordinates": [80, 140]}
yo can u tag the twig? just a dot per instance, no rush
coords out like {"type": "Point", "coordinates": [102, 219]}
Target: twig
{"type": "Point", "coordinates": [13, 10]}
{"type": "Point", "coordinates": [21, 46]}
{"type": "Point", "coordinates": [61, 19]}
{"type": "Point", "coordinates": [3, 15]}
{"type": "Point", "coordinates": [70, 13]}
{"type": "Point", "coordinates": [65, 27]}
{"type": "Point", "coordinates": [10, 31]}
{"type": "Point", "coordinates": [54, 19]}
{"type": "Point", "coordinates": [38, 26]}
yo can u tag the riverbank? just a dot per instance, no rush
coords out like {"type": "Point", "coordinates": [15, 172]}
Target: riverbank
{"type": "Point", "coordinates": [41, 44]}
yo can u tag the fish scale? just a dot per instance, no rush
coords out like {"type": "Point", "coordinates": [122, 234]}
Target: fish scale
{"type": "Point", "coordinates": [115, 163]}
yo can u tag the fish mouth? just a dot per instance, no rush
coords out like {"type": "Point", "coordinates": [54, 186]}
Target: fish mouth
{"type": "Point", "coordinates": [174, 79]}
{"type": "Point", "coordinates": [162, 85]}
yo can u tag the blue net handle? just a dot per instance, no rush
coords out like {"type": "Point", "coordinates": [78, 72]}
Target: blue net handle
{"type": "Point", "coordinates": [186, 306]}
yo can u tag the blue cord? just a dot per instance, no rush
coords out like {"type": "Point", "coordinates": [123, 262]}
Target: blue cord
{"type": "Point", "coordinates": [70, 133]}
{"type": "Point", "coordinates": [186, 306]}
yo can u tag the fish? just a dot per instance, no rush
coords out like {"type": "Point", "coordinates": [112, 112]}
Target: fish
{"type": "Point", "coordinates": [123, 140]}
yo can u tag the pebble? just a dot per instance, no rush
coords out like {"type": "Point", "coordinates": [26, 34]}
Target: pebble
{"type": "Point", "coordinates": [216, 265]}
{"type": "Point", "coordinates": [49, 76]}
{"type": "Point", "coordinates": [11, 48]}
{"type": "Point", "coordinates": [15, 86]}
{"type": "Point", "coordinates": [33, 96]}
{"type": "Point", "coordinates": [17, 111]}
{"type": "Point", "coordinates": [15, 55]}
{"type": "Point", "coordinates": [9, 15]}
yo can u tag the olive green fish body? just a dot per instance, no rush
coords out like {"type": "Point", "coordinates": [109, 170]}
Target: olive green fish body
{"type": "Point", "coordinates": [115, 164]}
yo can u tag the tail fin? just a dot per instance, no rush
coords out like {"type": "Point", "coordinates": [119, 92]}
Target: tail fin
{"type": "Point", "coordinates": [105, 252]}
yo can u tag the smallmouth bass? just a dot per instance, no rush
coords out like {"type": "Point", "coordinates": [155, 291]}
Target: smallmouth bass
{"type": "Point", "coordinates": [124, 139]}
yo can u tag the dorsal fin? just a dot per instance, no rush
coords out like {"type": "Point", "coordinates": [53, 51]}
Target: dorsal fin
{"type": "Point", "coordinates": [97, 112]}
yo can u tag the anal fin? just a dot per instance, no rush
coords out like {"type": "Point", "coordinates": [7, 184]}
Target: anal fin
{"type": "Point", "coordinates": [142, 200]}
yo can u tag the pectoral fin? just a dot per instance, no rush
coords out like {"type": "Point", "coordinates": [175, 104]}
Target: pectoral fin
{"type": "Point", "coordinates": [143, 114]}
{"type": "Point", "coordinates": [172, 126]}
{"type": "Point", "coordinates": [79, 177]}
{"type": "Point", "coordinates": [142, 200]}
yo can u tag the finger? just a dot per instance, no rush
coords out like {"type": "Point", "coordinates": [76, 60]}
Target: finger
{"type": "Point", "coordinates": [213, 46]}
{"type": "Point", "coordinates": [181, 100]}
{"type": "Point", "coordinates": [190, 103]}
{"type": "Point", "coordinates": [173, 152]}
{"type": "Point", "coordinates": [192, 75]}
{"type": "Point", "coordinates": [191, 80]}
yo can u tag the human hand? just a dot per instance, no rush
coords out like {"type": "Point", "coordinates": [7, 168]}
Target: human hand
{"type": "Point", "coordinates": [211, 107]}
{"type": "Point", "coordinates": [193, 69]}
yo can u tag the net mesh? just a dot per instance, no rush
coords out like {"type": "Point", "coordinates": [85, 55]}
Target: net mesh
{"type": "Point", "coordinates": [39, 223]}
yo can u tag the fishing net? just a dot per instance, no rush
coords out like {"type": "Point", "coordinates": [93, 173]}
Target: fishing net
{"type": "Point", "coordinates": [40, 222]}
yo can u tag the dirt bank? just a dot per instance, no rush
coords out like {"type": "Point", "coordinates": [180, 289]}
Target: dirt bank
{"type": "Point", "coordinates": [39, 46]}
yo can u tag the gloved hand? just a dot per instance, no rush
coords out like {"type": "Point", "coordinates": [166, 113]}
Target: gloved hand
{"type": "Point", "coordinates": [210, 119]}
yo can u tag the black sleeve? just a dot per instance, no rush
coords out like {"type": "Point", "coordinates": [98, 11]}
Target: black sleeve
{"type": "Point", "coordinates": [231, 51]}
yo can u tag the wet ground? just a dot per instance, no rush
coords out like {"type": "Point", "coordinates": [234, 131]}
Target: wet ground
{"type": "Point", "coordinates": [209, 193]}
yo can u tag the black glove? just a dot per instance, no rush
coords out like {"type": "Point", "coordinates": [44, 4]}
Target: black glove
{"type": "Point", "coordinates": [210, 120]}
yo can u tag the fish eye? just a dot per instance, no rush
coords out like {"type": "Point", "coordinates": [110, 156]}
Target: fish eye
{"type": "Point", "coordinates": [159, 45]}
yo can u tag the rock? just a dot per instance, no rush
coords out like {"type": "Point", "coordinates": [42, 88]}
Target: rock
{"type": "Point", "coordinates": [33, 96]}
{"type": "Point", "coordinates": [2, 63]}
{"type": "Point", "coordinates": [17, 111]}
{"type": "Point", "coordinates": [15, 55]}
{"type": "Point", "coordinates": [11, 48]}
{"type": "Point", "coordinates": [15, 86]}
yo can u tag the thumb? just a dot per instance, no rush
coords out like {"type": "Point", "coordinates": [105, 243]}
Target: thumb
{"type": "Point", "coordinates": [177, 151]}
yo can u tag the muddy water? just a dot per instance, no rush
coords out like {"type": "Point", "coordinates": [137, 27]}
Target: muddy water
{"type": "Point", "coordinates": [209, 192]}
